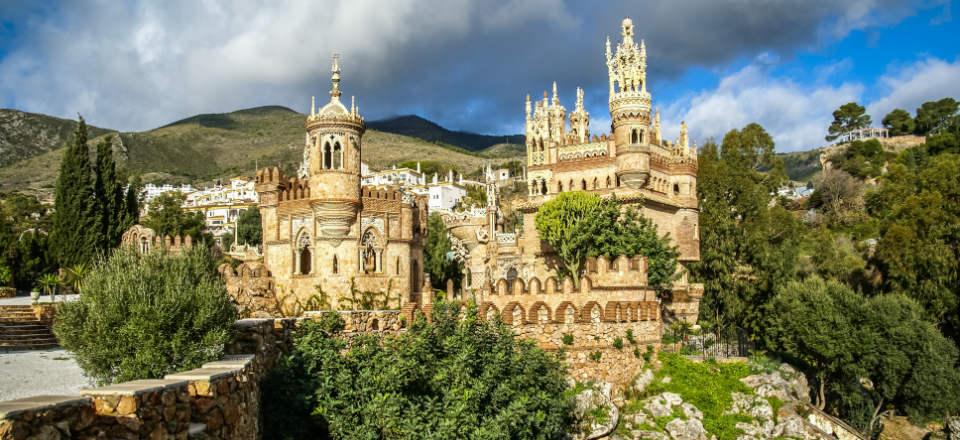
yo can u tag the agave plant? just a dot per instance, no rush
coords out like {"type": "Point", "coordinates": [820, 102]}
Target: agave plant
{"type": "Point", "coordinates": [75, 275]}
{"type": "Point", "coordinates": [49, 283]}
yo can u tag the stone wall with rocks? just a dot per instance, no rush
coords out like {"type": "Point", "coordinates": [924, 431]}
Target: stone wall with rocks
{"type": "Point", "coordinates": [608, 364]}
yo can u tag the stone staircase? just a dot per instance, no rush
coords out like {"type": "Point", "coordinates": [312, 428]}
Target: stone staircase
{"type": "Point", "coordinates": [21, 330]}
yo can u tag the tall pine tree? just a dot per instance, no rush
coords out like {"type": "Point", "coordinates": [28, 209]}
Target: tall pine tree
{"type": "Point", "coordinates": [75, 219]}
{"type": "Point", "coordinates": [131, 203]}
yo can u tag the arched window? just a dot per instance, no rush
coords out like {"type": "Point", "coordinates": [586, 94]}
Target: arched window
{"type": "Point", "coordinates": [583, 184]}
{"type": "Point", "coordinates": [336, 265]}
{"type": "Point", "coordinates": [640, 136]}
{"type": "Point", "coordinates": [543, 187]}
{"type": "Point", "coordinates": [608, 182]}
{"type": "Point", "coordinates": [326, 156]}
{"type": "Point", "coordinates": [676, 188]}
{"type": "Point", "coordinates": [511, 276]}
{"type": "Point", "coordinates": [337, 156]}
{"type": "Point", "coordinates": [570, 186]}
{"type": "Point", "coordinates": [398, 265]}
{"type": "Point", "coordinates": [594, 183]}
{"type": "Point", "coordinates": [370, 252]}
{"type": "Point", "coordinates": [304, 256]}
{"type": "Point", "coordinates": [533, 187]}
{"type": "Point", "coordinates": [144, 245]}
{"type": "Point", "coordinates": [634, 136]}
{"type": "Point", "coordinates": [559, 187]}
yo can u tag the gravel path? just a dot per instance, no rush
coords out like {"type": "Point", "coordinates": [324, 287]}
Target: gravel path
{"type": "Point", "coordinates": [33, 373]}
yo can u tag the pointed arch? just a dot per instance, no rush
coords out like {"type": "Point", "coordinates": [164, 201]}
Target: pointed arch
{"type": "Point", "coordinates": [337, 157]}
{"type": "Point", "coordinates": [326, 156]}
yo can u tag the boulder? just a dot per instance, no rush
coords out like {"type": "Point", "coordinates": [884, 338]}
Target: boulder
{"type": "Point", "coordinates": [686, 430]}
{"type": "Point", "coordinates": [642, 381]}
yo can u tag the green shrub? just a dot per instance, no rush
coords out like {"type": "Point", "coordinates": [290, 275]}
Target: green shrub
{"type": "Point", "coordinates": [636, 352]}
{"type": "Point", "coordinates": [595, 356]}
{"type": "Point", "coordinates": [450, 378]}
{"type": "Point", "coordinates": [630, 338]}
{"type": "Point", "coordinates": [618, 343]}
{"type": "Point", "coordinates": [648, 355]}
{"type": "Point", "coordinates": [144, 316]}
{"type": "Point", "coordinates": [568, 339]}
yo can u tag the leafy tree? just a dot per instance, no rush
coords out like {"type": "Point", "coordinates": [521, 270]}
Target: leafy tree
{"type": "Point", "coordinates": [452, 378]}
{"type": "Point", "coordinates": [142, 316]}
{"type": "Point", "coordinates": [748, 244]}
{"type": "Point", "coordinates": [167, 217]}
{"type": "Point", "coordinates": [633, 234]}
{"type": "Point", "coordinates": [29, 257]}
{"type": "Point", "coordinates": [809, 323]}
{"type": "Point", "coordinates": [899, 122]}
{"type": "Point", "coordinates": [249, 229]}
{"type": "Point", "coordinates": [569, 223]}
{"type": "Point", "coordinates": [438, 261]}
{"type": "Point", "coordinates": [918, 210]}
{"type": "Point", "coordinates": [75, 231]}
{"type": "Point", "coordinates": [935, 115]}
{"type": "Point", "coordinates": [862, 159]}
{"type": "Point", "coordinates": [849, 117]}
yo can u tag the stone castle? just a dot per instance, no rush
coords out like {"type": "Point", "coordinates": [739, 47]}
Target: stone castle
{"type": "Point", "coordinates": [325, 232]}
{"type": "Point", "coordinates": [633, 163]}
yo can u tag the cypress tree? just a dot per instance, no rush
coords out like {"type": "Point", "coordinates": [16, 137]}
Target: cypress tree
{"type": "Point", "coordinates": [131, 203]}
{"type": "Point", "coordinates": [109, 196]}
{"type": "Point", "coordinates": [74, 219]}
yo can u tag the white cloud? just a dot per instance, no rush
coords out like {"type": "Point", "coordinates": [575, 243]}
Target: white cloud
{"type": "Point", "coordinates": [796, 115]}
{"type": "Point", "coordinates": [926, 80]}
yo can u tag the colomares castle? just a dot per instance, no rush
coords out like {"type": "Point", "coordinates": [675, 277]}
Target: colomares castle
{"type": "Point", "coordinates": [571, 265]}
{"type": "Point", "coordinates": [326, 234]}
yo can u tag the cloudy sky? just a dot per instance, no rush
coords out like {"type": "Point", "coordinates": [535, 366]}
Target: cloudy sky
{"type": "Point", "coordinates": [718, 64]}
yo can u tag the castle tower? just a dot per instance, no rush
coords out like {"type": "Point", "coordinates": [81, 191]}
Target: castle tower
{"type": "Point", "coordinates": [332, 161]}
{"type": "Point", "coordinates": [630, 107]}
{"type": "Point", "coordinates": [580, 120]}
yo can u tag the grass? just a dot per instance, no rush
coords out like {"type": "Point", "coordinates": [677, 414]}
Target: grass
{"type": "Point", "coordinates": [707, 385]}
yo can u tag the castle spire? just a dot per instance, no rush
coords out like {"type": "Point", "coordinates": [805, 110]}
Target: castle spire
{"type": "Point", "coordinates": [684, 140]}
{"type": "Point", "coordinates": [335, 77]}
{"type": "Point", "coordinates": [579, 105]}
{"type": "Point", "coordinates": [527, 107]}
{"type": "Point", "coordinates": [313, 105]}
{"type": "Point", "coordinates": [556, 99]}
{"type": "Point", "coordinates": [353, 105]}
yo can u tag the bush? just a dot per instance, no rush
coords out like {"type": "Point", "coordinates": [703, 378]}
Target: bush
{"type": "Point", "coordinates": [451, 378]}
{"type": "Point", "coordinates": [144, 316]}
{"type": "Point", "coordinates": [632, 339]}
{"type": "Point", "coordinates": [596, 355]}
{"type": "Point", "coordinates": [618, 343]}
{"type": "Point", "coordinates": [568, 339]}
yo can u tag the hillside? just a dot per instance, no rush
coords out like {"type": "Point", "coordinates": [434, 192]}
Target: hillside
{"type": "Point", "coordinates": [415, 126]}
{"type": "Point", "coordinates": [24, 135]}
{"type": "Point", "coordinates": [208, 146]}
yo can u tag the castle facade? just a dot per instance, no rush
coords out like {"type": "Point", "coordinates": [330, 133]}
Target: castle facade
{"type": "Point", "coordinates": [325, 234]}
{"type": "Point", "coordinates": [632, 163]}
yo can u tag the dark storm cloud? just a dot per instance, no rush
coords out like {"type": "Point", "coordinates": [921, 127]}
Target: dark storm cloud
{"type": "Point", "coordinates": [464, 64]}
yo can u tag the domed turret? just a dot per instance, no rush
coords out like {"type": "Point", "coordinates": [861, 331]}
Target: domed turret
{"type": "Point", "coordinates": [332, 160]}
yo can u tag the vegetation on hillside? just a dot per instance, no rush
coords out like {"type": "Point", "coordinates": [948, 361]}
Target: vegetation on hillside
{"type": "Point", "coordinates": [451, 378]}
{"type": "Point", "coordinates": [142, 316]}
{"type": "Point", "coordinates": [415, 126]}
{"type": "Point", "coordinates": [862, 292]}
{"type": "Point", "coordinates": [208, 146]}
{"type": "Point", "coordinates": [24, 135]}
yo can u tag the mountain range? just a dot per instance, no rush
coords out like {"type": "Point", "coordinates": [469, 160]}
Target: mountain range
{"type": "Point", "coordinates": [209, 146]}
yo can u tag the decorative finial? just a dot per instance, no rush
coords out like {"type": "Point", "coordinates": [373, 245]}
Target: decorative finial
{"type": "Point", "coordinates": [313, 105]}
{"type": "Point", "coordinates": [627, 30]}
{"type": "Point", "coordinates": [556, 99]}
{"type": "Point", "coordinates": [353, 105]}
{"type": "Point", "coordinates": [527, 106]}
{"type": "Point", "coordinates": [643, 48]}
{"type": "Point", "coordinates": [335, 77]}
{"type": "Point", "coordinates": [579, 99]}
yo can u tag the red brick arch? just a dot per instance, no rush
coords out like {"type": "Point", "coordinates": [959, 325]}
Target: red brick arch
{"type": "Point", "coordinates": [487, 308]}
{"type": "Point", "coordinates": [507, 314]}
{"type": "Point", "coordinates": [560, 315]}
{"type": "Point", "coordinates": [587, 311]}
{"type": "Point", "coordinates": [533, 315]}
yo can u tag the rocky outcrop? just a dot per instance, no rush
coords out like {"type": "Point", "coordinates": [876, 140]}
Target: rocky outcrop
{"type": "Point", "coordinates": [595, 412]}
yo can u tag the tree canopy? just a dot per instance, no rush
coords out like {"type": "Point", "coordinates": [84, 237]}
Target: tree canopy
{"type": "Point", "coordinates": [452, 378]}
{"type": "Point", "coordinates": [75, 226]}
{"type": "Point", "coordinates": [899, 122]}
{"type": "Point", "coordinates": [577, 225]}
{"type": "Point", "coordinates": [249, 227]}
{"type": "Point", "coordinates": [932, 116]}
{"type": "Point", "coordinates": [167, 217]}
{"type": "Point", "coordinates": [438, 261]}
{"type": "Point", "coordinates": [849, 117]}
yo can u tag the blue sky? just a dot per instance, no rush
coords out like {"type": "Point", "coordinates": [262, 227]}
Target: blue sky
{"type": "Point", "coordinates": [717, 64]}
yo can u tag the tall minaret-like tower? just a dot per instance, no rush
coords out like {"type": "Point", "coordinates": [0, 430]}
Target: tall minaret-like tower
{"type": "Point", "coordinates": [630, 107]}
{"type": "Point", "coordinates": [332, 159]}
